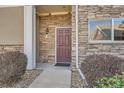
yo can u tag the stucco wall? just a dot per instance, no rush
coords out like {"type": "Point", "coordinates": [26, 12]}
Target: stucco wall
{"type": "Point", "coordinates": [47, 45]}
{"type": "Point", "coordinates": [11, 25]}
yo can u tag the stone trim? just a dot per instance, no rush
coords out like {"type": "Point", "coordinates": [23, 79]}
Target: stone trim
{"type": "Point", "coordinates": [6, 48]}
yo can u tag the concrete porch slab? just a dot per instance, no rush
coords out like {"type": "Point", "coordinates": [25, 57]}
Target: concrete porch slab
{"type": "Point", "coordinates": [53, 77]}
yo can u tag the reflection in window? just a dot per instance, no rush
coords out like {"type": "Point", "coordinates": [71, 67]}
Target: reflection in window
{"type": "Point", "coordinates": [100, 29]}
{"type": "Point", "coordinates": [119, 29]}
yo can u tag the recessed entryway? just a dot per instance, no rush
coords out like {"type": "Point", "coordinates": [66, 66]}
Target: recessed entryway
{"type": "Point", "coordinates": [54, 22]}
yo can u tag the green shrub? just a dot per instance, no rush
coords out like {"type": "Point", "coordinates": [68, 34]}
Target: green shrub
{"type": "Point", "coordinates": [116, 81]}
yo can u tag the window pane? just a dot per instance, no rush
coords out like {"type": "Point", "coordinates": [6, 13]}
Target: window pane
{"type": "Point", "coordinates": [100, 29]}
{"type": "Point", "coordinates": [119, 29]}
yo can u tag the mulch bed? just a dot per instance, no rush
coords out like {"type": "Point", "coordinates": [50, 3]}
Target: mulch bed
{"type": "Point", "coordinates": [25, 81]}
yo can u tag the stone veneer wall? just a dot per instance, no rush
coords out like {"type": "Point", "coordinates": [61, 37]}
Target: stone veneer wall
{"type": "Point", "coordinates": [6, 48]}
{"type": "Point", "coordinates": [97, 12]}
{"type": "Point", "coordinates": [76, 81]}
{"type": "Point", "coordinates": [47, 45]}
{"type": "Point", "coordinates": [85, 48]}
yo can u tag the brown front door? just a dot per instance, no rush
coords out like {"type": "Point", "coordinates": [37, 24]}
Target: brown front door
{"type": "Point", "coordinates": [63, 45]}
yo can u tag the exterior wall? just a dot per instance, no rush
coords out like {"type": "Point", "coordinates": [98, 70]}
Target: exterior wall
{"type": "Point", "coordinates": [97, 12]}
{"type": "Point", "coordinates": [37, 38]}
{"type": "Point", "coordinates": [76, 81]}
{"type": "Point", "coordinates": [73, 65]}
{"type": "Point", "coordinates": [6, 48]}
{"type": "Point", "coordinates": [47, 45]}
{"type": "Point", "coordinates": [12, 25]}
{"type": "Point", "coordinates": [11, 29]}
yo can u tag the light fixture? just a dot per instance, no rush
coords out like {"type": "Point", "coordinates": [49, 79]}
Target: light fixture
{"type": "Point", "coordinates": [46, 32]}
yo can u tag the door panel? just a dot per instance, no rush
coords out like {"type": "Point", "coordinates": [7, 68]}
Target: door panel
{"type": "Point", "coordinates": [64, 45]}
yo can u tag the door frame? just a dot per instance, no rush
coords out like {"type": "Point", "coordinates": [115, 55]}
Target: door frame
{"type": "Point", "coordinates": [56, 40]}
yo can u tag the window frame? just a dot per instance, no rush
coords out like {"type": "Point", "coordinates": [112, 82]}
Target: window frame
{"type": "Point", "coordinates": [112, 32]}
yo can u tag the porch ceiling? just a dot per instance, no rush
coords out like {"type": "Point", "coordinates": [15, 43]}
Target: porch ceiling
{"type": "Point", "coordinates": [46, 9]}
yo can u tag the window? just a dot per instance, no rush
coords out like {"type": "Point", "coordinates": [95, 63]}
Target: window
{"type": "Point", "coordinates": [119, 29]}
{"type": "Point", "coordinates": [106, 30]}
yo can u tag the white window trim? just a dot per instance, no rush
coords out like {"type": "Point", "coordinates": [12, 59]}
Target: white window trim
{"type": "Point", "coordinates": [104, 41]}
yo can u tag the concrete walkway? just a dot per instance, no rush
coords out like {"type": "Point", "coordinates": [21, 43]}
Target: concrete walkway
{"type": "Point", "coordinates": [52, 77]}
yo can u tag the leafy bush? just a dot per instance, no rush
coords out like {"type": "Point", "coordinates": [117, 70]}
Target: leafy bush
{"type": "Point", "coordinates": [12, 66]}
{"type": "Point", "coordinates": [116, 81]}
{"type": "Point", "coordinates": [101, 65]}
